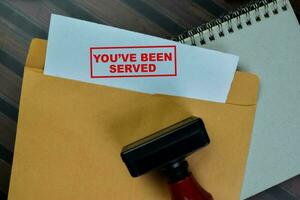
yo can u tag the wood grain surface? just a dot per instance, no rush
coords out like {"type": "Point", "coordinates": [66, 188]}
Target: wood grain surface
{"type": "Point", "coordinates": [22, 20]}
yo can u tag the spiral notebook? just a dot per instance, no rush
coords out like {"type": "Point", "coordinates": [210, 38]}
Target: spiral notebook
{"type": "Point", "coordinates": [265, 34]}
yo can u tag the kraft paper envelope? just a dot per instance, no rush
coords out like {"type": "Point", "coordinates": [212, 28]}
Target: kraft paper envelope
{"type": "Point", "coordinates": [70, 135]}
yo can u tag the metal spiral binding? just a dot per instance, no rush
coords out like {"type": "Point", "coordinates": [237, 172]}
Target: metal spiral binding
{"type": "Point", "coordinates": [255, 5]}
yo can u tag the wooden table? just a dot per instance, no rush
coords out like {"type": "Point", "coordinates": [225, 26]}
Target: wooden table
{"type": "Point", "coordinates": [21, 20]}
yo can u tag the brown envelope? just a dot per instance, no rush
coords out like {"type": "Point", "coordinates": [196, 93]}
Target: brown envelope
{"type": "Point", "coordinates": [70, 135]}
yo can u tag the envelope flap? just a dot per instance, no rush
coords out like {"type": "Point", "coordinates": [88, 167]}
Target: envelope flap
{"type": "Point", "coordinates": [244, 88]}
{"type": "Point", "coordinates": [36, 54]}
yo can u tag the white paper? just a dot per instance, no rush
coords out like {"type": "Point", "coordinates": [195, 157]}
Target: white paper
{"type": "Point", "coordinates": [75, 46]}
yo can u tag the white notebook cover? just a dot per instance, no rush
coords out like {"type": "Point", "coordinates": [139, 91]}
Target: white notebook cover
{"type": "Point", "coordinates": [269, 48]}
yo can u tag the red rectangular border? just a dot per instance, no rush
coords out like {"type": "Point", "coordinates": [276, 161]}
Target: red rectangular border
{"type": "Point", "coordinates": [133, 47]}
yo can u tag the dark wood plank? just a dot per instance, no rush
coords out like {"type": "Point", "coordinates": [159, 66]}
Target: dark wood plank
{"type": "Point", "coordinates": [7, 132]}
{"type": "Point", "coordinates": [187, 14]}
{"type": "Point", "coordinates": [3, 196]}
{"type": "Point", "coordinates": [36, 12]}
{"type": "Point", "coordinates": [274, 193]}
{"type": "Point", "coordinates": [151, 13]}
{"type": "Point", "coordinates": [5, 176]}
{"type": "Point", "coordinates": [292, 186]}
{"type": "Point", "coordinates": [19, 20]}
{"type": "Point", "coordinates": [211, 6]}
{"type": "Point", "coordinates": [14, 43]}
{"type": "Point", "coordinates": [119, 14]}
{"type": "Point", "coordinates": [12, 90]}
